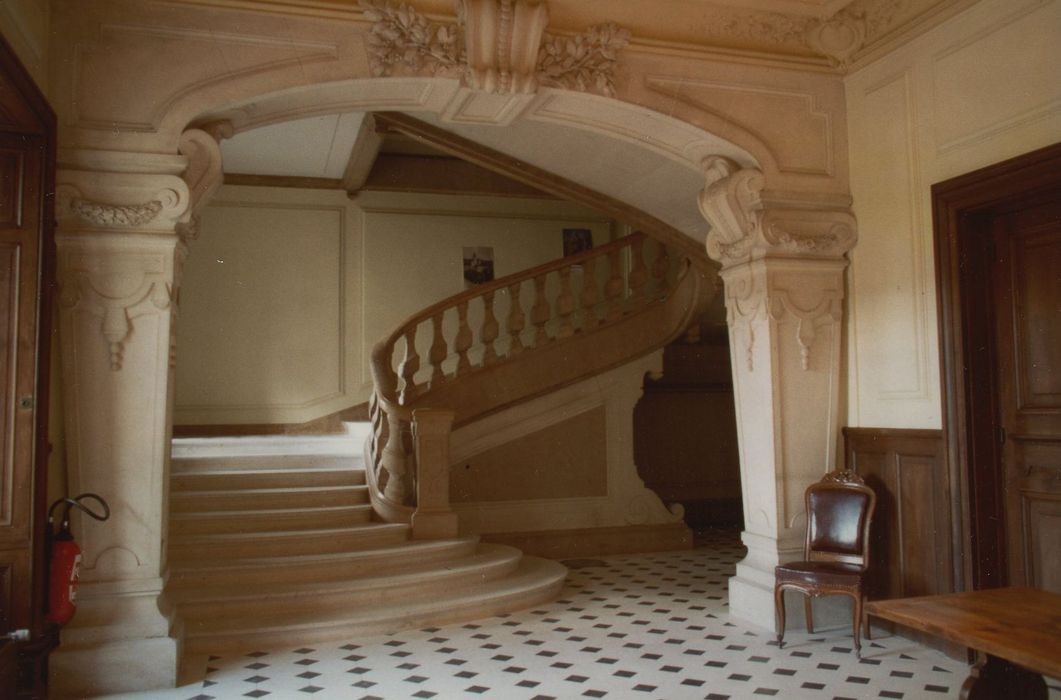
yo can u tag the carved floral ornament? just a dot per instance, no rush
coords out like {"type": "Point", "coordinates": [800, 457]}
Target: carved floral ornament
{"type": "Point", "coordinates": [496, 45]}
{"type": "Point", "coordinates": [500, 45]}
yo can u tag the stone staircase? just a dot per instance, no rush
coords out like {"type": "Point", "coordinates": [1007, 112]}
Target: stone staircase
{"type": "Point", "coordinates": [273, 543]}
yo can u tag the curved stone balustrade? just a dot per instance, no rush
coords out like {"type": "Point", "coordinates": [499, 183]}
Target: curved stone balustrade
{"type": "Point", "coordinates": [507, 341]}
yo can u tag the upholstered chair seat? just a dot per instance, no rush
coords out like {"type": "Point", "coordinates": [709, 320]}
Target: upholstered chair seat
{"type": "Point", "coordinates": [836, 549]}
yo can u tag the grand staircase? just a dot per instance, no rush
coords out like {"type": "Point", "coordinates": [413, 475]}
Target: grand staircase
{"type": "Point", "coordinates": [287, 540]}
{"type": "Point", "coordinates": [272, 542]}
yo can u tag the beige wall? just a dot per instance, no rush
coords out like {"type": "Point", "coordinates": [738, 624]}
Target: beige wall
{"type": "Point", "coordinates": [975, 90]}
{"type": "Point", "coordinates": [24, 24]}
{"type": "Point", "coordinates": [286, 291]}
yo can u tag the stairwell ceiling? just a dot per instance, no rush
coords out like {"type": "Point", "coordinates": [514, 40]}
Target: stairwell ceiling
{"type": "Point", "coordinates": [320, 147]}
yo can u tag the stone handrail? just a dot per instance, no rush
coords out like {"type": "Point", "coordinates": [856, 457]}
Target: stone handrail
{"type": "Point", "coordinates": [550, 313]}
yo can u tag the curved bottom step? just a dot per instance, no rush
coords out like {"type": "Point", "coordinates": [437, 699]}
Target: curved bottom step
{"type": "Point", "coordinates": [534, 581]}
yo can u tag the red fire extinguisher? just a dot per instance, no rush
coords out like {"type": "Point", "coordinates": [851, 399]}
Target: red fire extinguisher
{"type": "Point", "coordinates": [65, 558]}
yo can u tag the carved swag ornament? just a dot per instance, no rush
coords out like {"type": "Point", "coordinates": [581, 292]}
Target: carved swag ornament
{"type": "Point", "coordinates": [496, 45]}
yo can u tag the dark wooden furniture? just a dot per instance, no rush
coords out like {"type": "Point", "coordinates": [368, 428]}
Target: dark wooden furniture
{"type": "Point", "coordinates": [836, 551]}
{"type": "Point", "coordinates": [1017, 630]}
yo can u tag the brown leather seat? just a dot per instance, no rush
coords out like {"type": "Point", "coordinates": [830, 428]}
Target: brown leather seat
{"type": "Point", "coordinates": [836, 550]}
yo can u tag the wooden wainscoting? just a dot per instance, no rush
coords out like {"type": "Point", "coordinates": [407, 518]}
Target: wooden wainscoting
{"type": "Point", "coordinates": [910, 550]}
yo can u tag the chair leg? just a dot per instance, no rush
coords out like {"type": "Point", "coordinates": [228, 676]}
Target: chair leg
{"type": "Point", "coordinates": [866, 630]}
{"type": "Point", "coordinates": [779, 606]}
{"type": "Point", "coordinates": [857, 623]}
{"type": "Point", "coordinates": [808, 612]}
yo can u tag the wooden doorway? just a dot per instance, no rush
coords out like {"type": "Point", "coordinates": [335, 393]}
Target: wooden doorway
{"type": "Point", "coordinates": [27, 177]}
{"type": "Point", "coordinates": [998, 257]}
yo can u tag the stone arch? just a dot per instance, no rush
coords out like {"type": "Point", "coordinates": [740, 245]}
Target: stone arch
{"type": "Point", "coordinates": [143, 73]}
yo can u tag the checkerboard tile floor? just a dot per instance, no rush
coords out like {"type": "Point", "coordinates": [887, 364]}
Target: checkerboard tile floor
{"type": "Point", "coordinates": [639, 626]}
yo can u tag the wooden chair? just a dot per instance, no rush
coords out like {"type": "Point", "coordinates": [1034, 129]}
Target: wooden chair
{"type": "Point", "coordinates": [836, 551]}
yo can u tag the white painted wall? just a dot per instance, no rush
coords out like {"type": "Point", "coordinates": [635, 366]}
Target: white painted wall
{"type": "Point", "coordinates": [286, 290]}
{"type": "Point", "coordinates": [978, 89]}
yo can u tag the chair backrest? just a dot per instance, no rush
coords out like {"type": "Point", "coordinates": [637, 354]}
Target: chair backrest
{"type": "Point", "coordinates": [839, 511]}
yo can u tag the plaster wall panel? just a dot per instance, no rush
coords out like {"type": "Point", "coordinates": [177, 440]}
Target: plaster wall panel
{"type": "Point", "coordinates": [267, 309]}
{"type": "Point", "coordinates": [975, 90]}
{"type": "Point", "coordinates": [287, 290]}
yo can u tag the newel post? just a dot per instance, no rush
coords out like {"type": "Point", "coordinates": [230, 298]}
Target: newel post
{"type": "Point", "coordinates": [433, 519]}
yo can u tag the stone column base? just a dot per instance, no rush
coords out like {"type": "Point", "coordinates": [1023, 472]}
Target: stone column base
{"type": "Point", "coordinates": [119, 641]}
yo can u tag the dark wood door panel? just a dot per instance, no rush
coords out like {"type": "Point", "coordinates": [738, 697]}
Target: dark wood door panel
{"type": "Point", "coordinates": [1036, 275]}
{"type": "Point", "coordinates": [14, 589]}
{"type": "Point", "coordinates": [1042, 519]}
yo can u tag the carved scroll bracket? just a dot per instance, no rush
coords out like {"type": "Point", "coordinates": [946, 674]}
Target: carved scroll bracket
{"type": "Point", "coordinates": [749, 222]}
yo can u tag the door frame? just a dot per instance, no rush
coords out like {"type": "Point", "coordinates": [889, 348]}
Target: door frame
{"type": "Point", "coordinates": [961, 210]}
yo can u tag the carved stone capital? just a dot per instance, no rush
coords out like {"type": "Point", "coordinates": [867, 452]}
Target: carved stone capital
{"type": "Point", "coordinates": [749, 223]}
{"type": "Point", "coordinates": [113, 192]}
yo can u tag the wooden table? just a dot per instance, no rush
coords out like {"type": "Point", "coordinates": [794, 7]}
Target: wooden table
{"type": "Point", "coordinates": [1017, 629]}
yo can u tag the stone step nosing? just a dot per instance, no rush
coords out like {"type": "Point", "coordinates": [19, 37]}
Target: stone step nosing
{"type": "Point", "coordinates": [491, 562]}
{"type": "Point", "coordinates": [528, 580]}
{"type": "Point", "coordinates": [320, 567]}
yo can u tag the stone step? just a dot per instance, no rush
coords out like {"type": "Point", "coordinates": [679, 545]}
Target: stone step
{"type": "Point", "coordinates": [199, 464]}
{"type": "Point", "coordinates": [306, 567]}
{"type": "Point", "coordinates": [248, 499]}
{"type": "Point", "coordinates": [268, 479]}
{"type": "Point", "coordinates": [233, 547]}
{"type": "Point", "coordinates": [271, 520]}
{"type": "Point", "coordinates": [534, 581]}
{"type": "Point", "coordinates": [216, 606]}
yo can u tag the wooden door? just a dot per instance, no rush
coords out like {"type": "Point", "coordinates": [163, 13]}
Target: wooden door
{"type": "Point", "coordinates": [1026, 275]}
{"type": "Point", "coordinates": [27, 157]}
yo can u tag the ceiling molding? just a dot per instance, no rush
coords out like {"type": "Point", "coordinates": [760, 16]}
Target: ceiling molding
{"type": "Point", "coordinates": [814, 35]}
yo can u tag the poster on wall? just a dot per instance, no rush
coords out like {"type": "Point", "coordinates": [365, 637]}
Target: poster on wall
{"type": "Point", "coordinates": [478, 265]}
{"type": "Point", "coordinates": [577, 240]}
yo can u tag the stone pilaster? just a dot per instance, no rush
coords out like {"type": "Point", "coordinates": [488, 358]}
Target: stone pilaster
{"type": "Point", "coordinates": [123, 220]}
{"type": "Point", "coordinates": [783, 260]}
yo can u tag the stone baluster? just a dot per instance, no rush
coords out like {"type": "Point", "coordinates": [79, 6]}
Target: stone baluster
{"type": "Point", "coordinates": [540, 312]}
{"type": "Point", "coordinates": [516, 321]}
{"type": "Point", "coordinates": [489, 330]}
{"type": "Point", "coordinates": [613, 288]}
{"type": "Point", "coordinates": [590, 295]}
{"type": "Point", "coordinates": [660, 268]}
{"type": "Point", "coordinates": [463, 341]}
{"type": "Point", "coordinates": [409, 366]}
{"type": "Point", "coordinates": [565, 304]}
{"type": "Point", "coordinates": [394, 461]}
{"type": "Point", "coordinates": [433, 519]}
{"type": "Point", "coordinates": [438, 352]}
{"type": "Point", "coordinates": [638, 272]}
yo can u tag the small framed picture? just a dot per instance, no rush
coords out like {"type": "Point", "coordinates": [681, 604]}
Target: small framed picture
{"type": "Point", "coordinates": [478, 265]}
{"type": "Point", "coordinates": [577, 240]}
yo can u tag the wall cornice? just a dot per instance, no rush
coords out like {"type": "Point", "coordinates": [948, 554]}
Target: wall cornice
{"type": "Point", "coordinates": [800, 34]}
